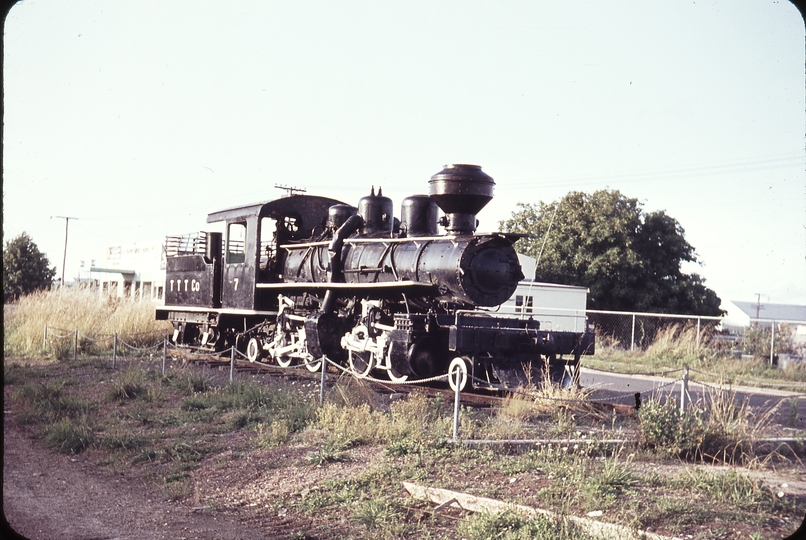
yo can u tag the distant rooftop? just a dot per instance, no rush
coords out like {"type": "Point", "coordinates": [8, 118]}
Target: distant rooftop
{"type": "Point", "coordinates": [783, 312]}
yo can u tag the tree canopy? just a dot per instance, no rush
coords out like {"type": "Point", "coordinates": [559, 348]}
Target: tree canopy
{"type": "Point", "coordinates": [629, 260]}
{"type": "Point", "coordinates": [25, 268]}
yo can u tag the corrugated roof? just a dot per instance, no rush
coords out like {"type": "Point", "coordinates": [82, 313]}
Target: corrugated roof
{"type": "Point", "coordinates": [779, 312]}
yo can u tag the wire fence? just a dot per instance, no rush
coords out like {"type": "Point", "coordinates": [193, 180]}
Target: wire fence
{"type": "Point", "coordinates": [631, 331]}
{"type": "Point", "coordinates": [457, 378]}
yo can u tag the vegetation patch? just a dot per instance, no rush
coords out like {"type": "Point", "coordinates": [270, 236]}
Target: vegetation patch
{"type": "Point", "coordinates": [191, 423]}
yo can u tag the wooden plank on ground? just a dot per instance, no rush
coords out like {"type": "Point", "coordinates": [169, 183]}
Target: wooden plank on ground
{"type": "Point", "coordinates": [473, 503]}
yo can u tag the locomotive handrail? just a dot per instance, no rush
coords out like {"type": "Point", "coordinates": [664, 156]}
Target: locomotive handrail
{"type": "Point", "coordinates": [393, 240]}
{"type": "Point", "coordinates": [331, 285]}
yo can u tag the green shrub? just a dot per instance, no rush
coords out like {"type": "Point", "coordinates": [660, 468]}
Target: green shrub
{"type": "Point", "coordinates": [756, 340]}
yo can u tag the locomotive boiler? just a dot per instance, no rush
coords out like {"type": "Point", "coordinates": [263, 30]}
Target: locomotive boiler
{"type": "Point", "coordinates": [304, 277]}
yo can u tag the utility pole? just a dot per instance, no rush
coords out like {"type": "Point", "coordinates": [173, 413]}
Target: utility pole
{"type": "Point", "coordinates": [66, 225]}
{"type": "Point", "coordinates": [758, 307]}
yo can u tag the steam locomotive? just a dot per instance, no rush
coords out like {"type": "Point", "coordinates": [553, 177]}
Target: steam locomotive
{"type": "Point", "coordinates": [300, 278]}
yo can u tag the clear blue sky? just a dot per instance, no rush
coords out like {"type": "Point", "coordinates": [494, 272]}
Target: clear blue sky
{"type": "Point", "coordinates": [140, 117]}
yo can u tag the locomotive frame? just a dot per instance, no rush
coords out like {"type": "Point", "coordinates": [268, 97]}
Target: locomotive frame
{"type": "Point", "coordinates": [303, 277]}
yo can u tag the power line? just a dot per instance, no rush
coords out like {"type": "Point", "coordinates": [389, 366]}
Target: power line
{"type": "Point", "coordinates": [766, 164]}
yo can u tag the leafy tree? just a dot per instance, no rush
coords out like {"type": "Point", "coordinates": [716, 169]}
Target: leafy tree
{"type": "Point", "coordinates": [25, 268]}
{"type": "Point", "coordinates": [630, 260]}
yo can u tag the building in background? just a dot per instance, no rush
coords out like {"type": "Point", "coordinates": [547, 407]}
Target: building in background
{"type": "Point", "coordinates": [135, 271]}
{"type": "Point", "coordinates": [557, 307]}
{"type": "Point", "coordinates": [740, 315]}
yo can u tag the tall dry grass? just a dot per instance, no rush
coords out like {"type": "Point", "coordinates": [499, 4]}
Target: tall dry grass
{"type": "Point", "coordinates": [677, 345]}
{"type": "Point", "coordinates": [63, 311]}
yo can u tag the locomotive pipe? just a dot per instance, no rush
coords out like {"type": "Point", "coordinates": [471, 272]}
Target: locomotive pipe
{"type": "Point", "coordinates": [335, 274]}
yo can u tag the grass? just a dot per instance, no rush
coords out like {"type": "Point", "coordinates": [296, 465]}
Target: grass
{"type": "Point", "coordinates": [677, 346]}
{"type": "Point", "coordinates": [513, 526]}
{"type": "Point", "coordinates": [170, 428]}
{"type": "Point", "coordinates": [64, 310]}
{"type": "Point", "coordinates": [196, 417]}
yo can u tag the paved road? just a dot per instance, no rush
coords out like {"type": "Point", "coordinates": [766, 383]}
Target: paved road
{"type": "Point", "coordinates": [621, 389]}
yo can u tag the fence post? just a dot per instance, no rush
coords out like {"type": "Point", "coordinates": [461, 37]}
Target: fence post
{"type": "Point", "coordinates": [684, 391]}
{"type": "Point", "coordinates": [232, 364]}
{"type": "Point", "coordinates": [164, 354]}
{"type": "Point", "coordinates": [698, 332]}
{"type": "Point", "coordinates": [322, 382]}
{"type": "Point", "coordinates": [772, 344]}
{"type": "Point", "coordinates": [114, 350]}
{"type": "Point", "coordinates": [45, 339]}
{"type": "Point", "coordinates": [456, 401]}
{"type": "Point", "coordinates": [632, 337]}
{"type": "Point", "coordinates": [75, 345]}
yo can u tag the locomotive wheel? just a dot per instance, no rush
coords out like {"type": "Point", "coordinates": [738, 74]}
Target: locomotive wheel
{"type": "Point", "coordinates": [284, 361]}
{"type": "Point", "coordinates": [396, 377]}
{"type": "Point", "coordinates": [253, 350]}
{"type": "Point", "coordinates": [460, 365]}
{"type": "Point", "coordinates": [361, 363]}
{"type": "Point", "coordinates": [313, 365]}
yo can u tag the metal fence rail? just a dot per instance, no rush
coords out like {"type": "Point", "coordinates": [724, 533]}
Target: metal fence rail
{"type": "Point", "coordinates": [632, 331]}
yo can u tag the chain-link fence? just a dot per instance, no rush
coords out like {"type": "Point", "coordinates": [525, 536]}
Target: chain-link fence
{"type": "Point", "coordinates": [766, 338]}
{"type": "Point", "coordinates": [631, 331]}
{"type": "Point", "coordinates": [773, 339]}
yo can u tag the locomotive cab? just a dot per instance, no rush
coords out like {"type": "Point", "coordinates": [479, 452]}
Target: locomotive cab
{"type": "Point", "coordinates": [252, 243]}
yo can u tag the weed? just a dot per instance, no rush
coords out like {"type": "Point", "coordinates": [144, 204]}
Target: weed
{"type": "Point", "coordinates": [732, 487]}
{"type": "Point", "coordinates": [381, 516]}
{"type": "Point", "coordinates": [611, 480]}
{"type": "Point", "coordinates": [331, 452]}
{"type": "Point", "coordinates": [47, 402]}
{"type": "Point", "coordinates": [792, 420]}
{"type": "Point", "coordinates": [513, 526]}
{"type": "Point", "coordinates": [69, 436]}
{"type": "Point", "coordinates": [196, 403]}
{"type": "Point", "coordinates": [273, 434]}
{"type": "Point", "coordinates": [122, 439]}
{"type": "Point", "coordinates": [182, 452]}
{"type": "Point", "coordinates": [145, 455]}
{"type": "Point", "coordinates": [17, 373]}
{"type": "Point", "coordinates": [129, 384]}
{"type": "Point", "coordinates": [189, 381]}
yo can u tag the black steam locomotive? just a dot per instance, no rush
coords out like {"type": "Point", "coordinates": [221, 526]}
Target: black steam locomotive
{"type": "Point", "coordinates": [303, 277]}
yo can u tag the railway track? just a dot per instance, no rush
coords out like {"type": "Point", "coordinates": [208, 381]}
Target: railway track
{"type": "Point", "coordinates": [432, 390]}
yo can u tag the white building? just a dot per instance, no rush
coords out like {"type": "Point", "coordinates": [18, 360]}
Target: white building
{"type": "Point", "coordinates": [740, 315]}
{"type": "Point", "coordinates": [557, 307]}
{"type": "Point", "coordinates": [129, 271]}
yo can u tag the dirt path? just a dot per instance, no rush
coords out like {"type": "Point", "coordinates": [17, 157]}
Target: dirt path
{"type": "Point", "coordinates": [51, 496]}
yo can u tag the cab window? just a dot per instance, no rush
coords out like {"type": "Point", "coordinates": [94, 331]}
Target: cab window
{"type": "Point", "coordinates": [236, 243]}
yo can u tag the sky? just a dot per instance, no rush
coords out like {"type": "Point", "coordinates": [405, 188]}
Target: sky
{"type": "Point", "coordinates": [138, 118]}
